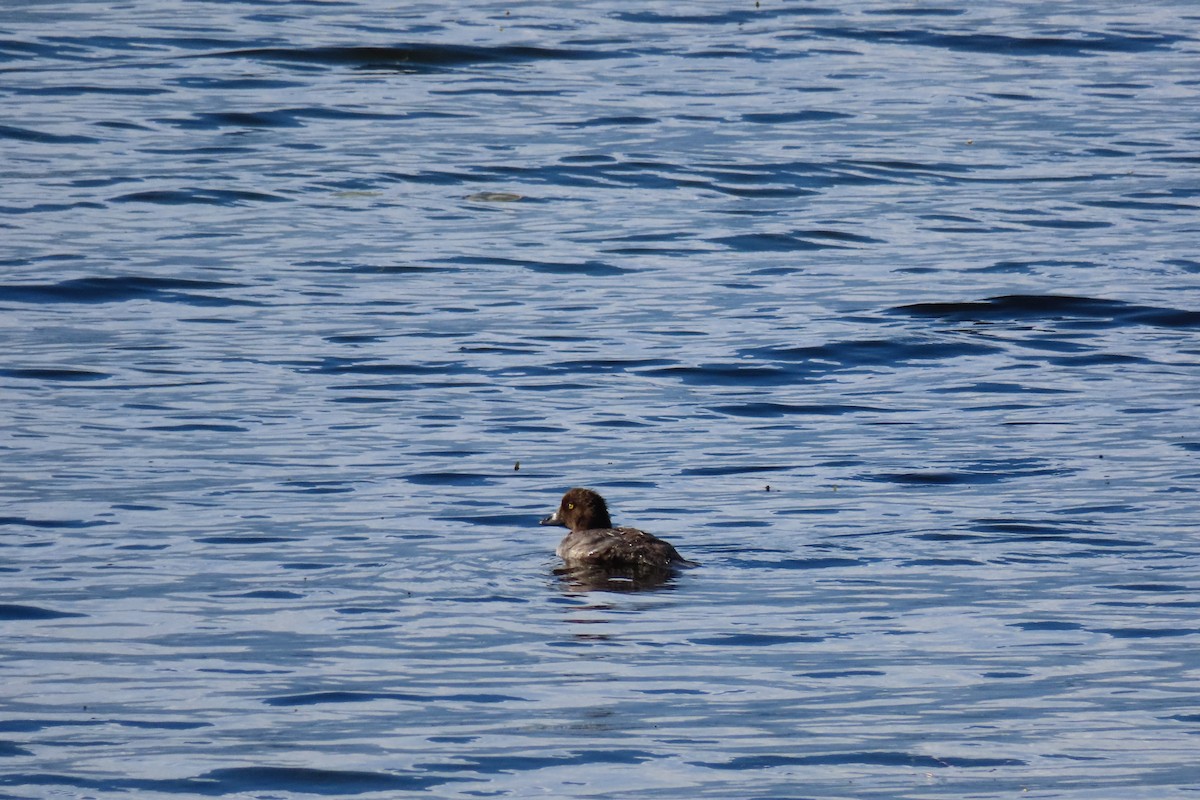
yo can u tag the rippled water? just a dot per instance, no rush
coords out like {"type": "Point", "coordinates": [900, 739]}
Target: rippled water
{"type": "Point", "coordinates": [887, 313]}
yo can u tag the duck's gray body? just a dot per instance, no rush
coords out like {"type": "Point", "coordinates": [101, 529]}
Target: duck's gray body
{"type": "Point", "coordinates": [618, 547]}
{"type": "Point", "coordinates": [594, 542]}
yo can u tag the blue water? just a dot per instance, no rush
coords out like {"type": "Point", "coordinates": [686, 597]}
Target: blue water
{"type": "Point", "coordinates": [887, 313]}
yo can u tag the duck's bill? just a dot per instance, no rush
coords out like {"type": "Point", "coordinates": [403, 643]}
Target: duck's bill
{"type": "Point", "coordinates": [552, 520]}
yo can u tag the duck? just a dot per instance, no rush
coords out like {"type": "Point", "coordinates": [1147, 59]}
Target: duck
{"type": "Point", "coordinates": [593, 542]}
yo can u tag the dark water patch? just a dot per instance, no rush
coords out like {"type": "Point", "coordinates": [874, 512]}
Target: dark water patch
{"type": "Point", "coordinates": [782, 117]}
{"type": "Point", "coordinates": [1191, 718]}
{"type": "Point", "coordinates": [594, 366]}
{"type": "Point", "coordinates": [597, 269]}
{"type": "Point", "coordinates": [450, 479]}
{"type": "Point", "coordinates": [525, 427]}
{"type": "Point", "coordinates": [9, 749]}
{"type": "Point", "coordinates": [942, 562]}
{"type": "Point", "coordinates": [306, 566]}
{"type": "Point", "coordinates": [51, 258]}
{"type": "Point", "coordinates": [770, 243]}
{"type": "Point", "coordinates": [491, 598]}
{"type": "Point", "coordinates": [36, 725]}
{"type": "Point", "coordinates": [375, 269]}
{"type": "Point", "coordinates": [509, 764]}
{"type": "Point", "coordinates": [1047, 625]}
{"type": "Point", "coordinates": [821, 359]}
{"type": "Point", "coordinates": [1101, 508]}
{"type": "Point", "coordinates": [1025, 267]}
{"type": "Point", "coordinates": [83, 90]}
{"type": "Point", "coordinates": [56, 375]}
{"type": "Point", "coordinates": [1148, 633]}
{"type": "Point", "coordinates": [1186, 264]}
{"type": "Point", "coordinates": [775, 410]}
{"type": "Point", "coordinates": [414, 57]}
{"type": "Point", "coordinates": [323, 698]}
{"type": "Point", "coordinates": [731, 470]}
{"type": "Point", "coordinates": [1151, 587]}
{"type": "Point", "coordinates": [47, 208]}
{"type": "Point", "coordinates": [617, 423]}
{"type": "Point", "coordinates": [233, 119]}
{"type": "Point", "coordinates": [13, 133]}
{"type": "Point", "coordinates": [193, 427]}
{"type": "Point", "coordinates": [978, 474]}
{"type": "Point", "coordinates": [242, 540]}
{"type": "Point", "coordinates": [1067, 224]}
{"type": "Point", "coordinates": [206, 197]}
{"type": "Point", "coordinates": [138, 44]}
{"type": "Point", "coordinates": [818, 563]}
{"type": "Point", "coordinates": [43, 48]}
{"type": "Point", "coordinates": [610, 122]}
{"type": "Point", "coordinates": [240, 780]}
{"type": "Point", "coordinates": [843, 673]}
{"type": "Point", "coordinates": [122, 289]}
{"type": "Point", "coordinates": [316, 487]}
{"type": "Point", "coordinates": [337, 365]}
{"type": "Point", "coordinates": [875, 171]}
{"type": "Point", "coordinates": [268, 594]}
{"type": "Point", "coordinates": [55, 524]}
{"type": "Point", "coordinates": [1057, 343]}
{"type": "Point", "coordinates": [163, 725]}
{"type": "Point", "coordinates": [433, 177]}
{"type": "Point", "coordinates": [353, 338]}
{"type": "Point", "coordinates": [925, 479]}
{"type": "Point", "coordinates": [1068, 311]}
{"type": "Point", "coordinates": [278, 118]}
{"type": "Point", "coordinates": [995, 387]}
{"type": "Point", "coordinates": [557, 386]}
{"type": "Point", "coordinates": [1031, 531]}
{"type": "Point", "coordinates": [1018, 527]}
{"type": "Point", "coordinates": [1137, 604]}
{"type": "Point", "coordinates": [756, 640]}
{"type": "Point", "coordinates": [839, 236]}
{"type": "Point", "coordinates": [494, 520]}
{"type": "Point", "coordinates": [1096, 359]}
{"type": "Point", "coordinates": [737, 16]}
{"type": "Point", "coordinates": [870, 758]}
{"type": "Point", "coordinates": [1142, 205]}
{"type": "Point", "coordinates": [226, 83]}
{"type": "Point", "coordinates": [1016, 96]}
{"type": "Point", "coordinates": [1084, 44]}
{"type": "Point", "coordinates": [727, 375]}
{"type": "Point", "coordinates": [11, 612]}
{"type": "Point", "coordinates": [765, 192]}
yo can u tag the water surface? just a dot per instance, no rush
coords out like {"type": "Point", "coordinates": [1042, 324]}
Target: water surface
{"type": "Point", "coordinates": [888, 314]}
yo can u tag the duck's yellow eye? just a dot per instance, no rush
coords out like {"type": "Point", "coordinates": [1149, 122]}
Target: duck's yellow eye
{"type": "Point", "coordinates": [570, 506]}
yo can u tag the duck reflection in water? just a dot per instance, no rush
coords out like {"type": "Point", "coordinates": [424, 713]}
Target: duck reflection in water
{"type": "Point", "coordinates": [598, 556]}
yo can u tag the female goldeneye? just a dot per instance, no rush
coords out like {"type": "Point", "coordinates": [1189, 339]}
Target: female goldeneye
{"type": "Point", "coordinates": [594, 542]}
